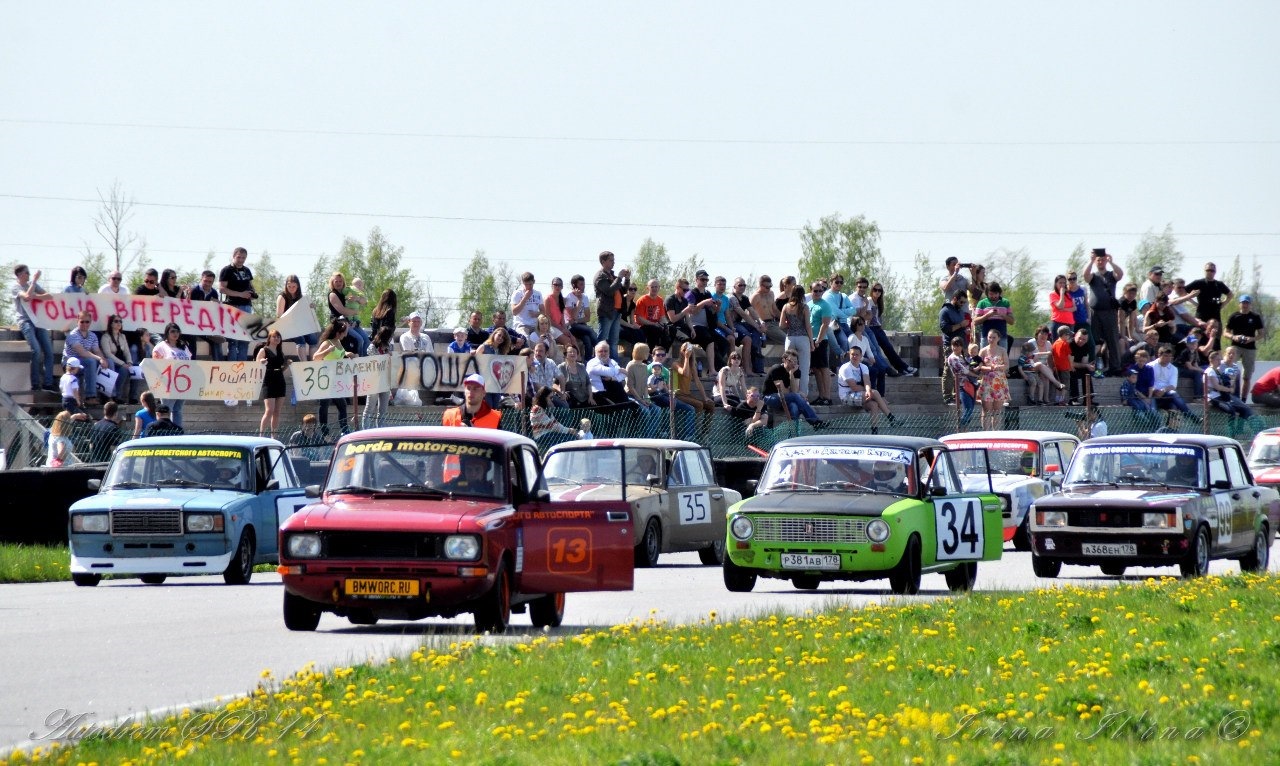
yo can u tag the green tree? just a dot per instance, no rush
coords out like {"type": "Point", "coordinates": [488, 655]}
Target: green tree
{"type": "Point", "coordinates": [1155, 249]}
{"type": "Point", "coordinates": [1021, 282]}
{"type": "Point", "coordinates": [921, 298]}
{"type": "Point", "coordinates": [268, 282]}
{"type": "Point", "coordinates": [479, 289]}
{"type": "Point", "coordinates": [685, 268]}
{"type": "Point", "coordinates": [505, 280]}
{"type": "Point", "coordinates": [95, 267]}
{"type": "Point", "coordinates": [653, 262]}
{"type": "Point", "coordinates": [376, 262]}
{"type": "Point", "coordinates": [849, 247]}
{"type": "Point", "coordinates": [1075, 262]}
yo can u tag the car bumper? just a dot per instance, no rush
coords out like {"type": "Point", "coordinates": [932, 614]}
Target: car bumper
{"type": "Point", "coordinates": [857, 562]}
{"type": "Point", "coordinates": [444, 589]}
{"type": "Point", "coordinates": [139, 565]}
{"type": "Point", "coordinates": [1149, 549]}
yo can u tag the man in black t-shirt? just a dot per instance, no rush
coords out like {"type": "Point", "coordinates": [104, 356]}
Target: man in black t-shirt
{"type": "Point", "coordinates": [1105, 318]}
{"type": "Point", "coordinates": [1245, 329]}
{"type": "Point", "coordinates": [237, 290]}
{"type": "Point", "coordinates": [780, 385]}
{"type": "Point", "coordinates": [1211, 294]}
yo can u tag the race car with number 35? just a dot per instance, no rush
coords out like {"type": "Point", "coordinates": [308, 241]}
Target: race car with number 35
{"type": "Point", "coordinates": [851, 507]}
{"type": "Point", "coordinates": [668, 484]}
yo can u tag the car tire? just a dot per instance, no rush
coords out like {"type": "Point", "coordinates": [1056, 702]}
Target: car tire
{"type": "Point", "coordinates": [1196, 564]}
{"type": "Point", "coordinates": [152, 579]}
{"type": "Point", "coordinates": [905, 577]}
{"type": "Point", "coordinates": [713, 554]}
{"type": "Point", "coordinates": [85, 580]}
{"type": "Point", "coordinates": [1046, 568]}
{"type": "Point", "coordinates": [1257, 559]}
{"type": "Point", "coordinates": [1113, 570]}
{"type": "Point", "coordinates": [649, 545]}
{"type": "Point", "coordinates": [738, 579]}
{"type": "Point", "coordinates": [299, 613]}
{"type": "Point", "coordinates": [547, 611]}
{"type": "Point", "coordinates": [1022, 537]}
{"type": "Point", "coordinates": [962, 578]}
{"type": "Point", "coordinates": [806, 582]}
{"type": "Point", "coordinates": [493, 614]}
{"type": "Point", "coordinates": [240, 569]}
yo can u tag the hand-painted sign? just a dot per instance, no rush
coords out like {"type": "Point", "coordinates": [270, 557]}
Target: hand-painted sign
{"type": "Point", "coordinates": [59, 311]}
{"type": "Point", "coordinates": [215, 381]}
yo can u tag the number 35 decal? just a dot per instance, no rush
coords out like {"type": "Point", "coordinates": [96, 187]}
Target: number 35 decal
{"type": "Point", "coordinates": [959, 525]}
{"type": "Point", "coordinates": [694, 507]}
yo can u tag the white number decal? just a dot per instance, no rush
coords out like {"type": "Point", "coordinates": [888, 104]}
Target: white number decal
{"type": "Point", "coordinates": [287, 506]}
{"type": "Point", "coordinates": [958, 522]}
{"type": "Point", "coordinates": [695, 507]}
{"type": "Point", "coordinates": [1224, 518]}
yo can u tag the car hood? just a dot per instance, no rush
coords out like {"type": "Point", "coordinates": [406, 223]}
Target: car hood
{"type": "Point", "coordinates": [1128, 497]}
{"type": "Point", "coordinates": [1266, 474]}
{"type": "Point", "coordinates": [163, 499]}
{"type": "Point", "coordinates": [388, 514]}
{"type": "Point", "coordinates": [610, 491]}
{"type": "Point", "coordinates": [849, 503]}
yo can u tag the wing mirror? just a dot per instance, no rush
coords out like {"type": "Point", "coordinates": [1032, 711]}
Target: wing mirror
{"type": "Point", "coordinates": [94, 484]}
{"type": "Point", "coordinates": [312, 491]}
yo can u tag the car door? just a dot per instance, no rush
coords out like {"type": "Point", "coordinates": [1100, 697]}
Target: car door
{"type": "Point", "coordinates": [279, 495]}
{"type": "Point", "coordinates": [1245, 499]}
{"type": "Point", "coordinates": [1053, 464]}
{"type": "Point", "coordinates": [1222, 510]}
{"type": "Point", "coordinates": [568, 546]}
{"type": "Point", "coordinates": [695, 507]}
{"type": "Point", "coordinates": [968, 526]}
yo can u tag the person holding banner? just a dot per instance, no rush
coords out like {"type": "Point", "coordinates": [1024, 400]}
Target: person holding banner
{"type": "Point", "coordinates": [272, 355]}
{"type": "Point", "coordinates": [205, 291]}
{"type": "Point", "coordinates": [116, 349]}
{"type": "Point", "coordinates": [291, 294]}
{"type": "Point", "coordinates": [25, 288]}
{"type": "Point", "coordinates": [236, 281]}
{"type": "Point", "coordinates": [330, 348]}
{"type": "Point", "coordinates": [338, 310]}
{"type": "Point", "coordinates": [173, 347]}
{"type": "Point", "coordinates": [474, 412]}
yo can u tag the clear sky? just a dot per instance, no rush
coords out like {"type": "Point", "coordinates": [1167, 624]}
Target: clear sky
{"type": "Point", "coordinates": [545, 132]}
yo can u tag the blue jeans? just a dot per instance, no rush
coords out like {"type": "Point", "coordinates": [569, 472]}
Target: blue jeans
{"type": "Point", "coordinates": [886, 346]}
{"type": "Point", "coordinates": [610, 328]}
{"type": "Point", "coordinates": [361, 336]}
{"type": "Point", "coordinates": [686, 421]}
{"type": "Point", "coordinates": [237, 350]}
{"type": "Point", "coordinates": [966, 406]}
{"type": "Point", "coordinates": [175, 410]}
{"type": "Point", "coordinates": [881, 364]}
{"type": "Point", "coordinates": [840, 336]}
{"type": "Point", "coordinates": [796, 405]}
{"type": "Point", "coordinates": [1197, 380]}
{"type": "Point", "coordinates": [585, 335]}
{"type": "Point", "coordinates": [323, 414]}
{"type": "Point", "coordinates": [1171, 401]}
{"type": "Point", "coordinates": [89, 376]}
{"type": "Point", "coordinates": [41, 353]}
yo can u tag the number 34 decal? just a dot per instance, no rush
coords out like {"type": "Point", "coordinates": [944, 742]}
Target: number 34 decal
{"type": "Point", "coordinates": [959, 525]}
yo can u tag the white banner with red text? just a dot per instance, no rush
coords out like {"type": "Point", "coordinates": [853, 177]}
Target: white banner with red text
{"type": "Point", "coordinates": [214, 381]}
{"type": "Point", "coordinates": [60, 311]}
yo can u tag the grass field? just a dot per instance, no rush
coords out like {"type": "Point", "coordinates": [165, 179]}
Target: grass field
{"type": "Point", "coordinates": [1153, 672]}
{"type": "Point", "coordinates": [34, 563]}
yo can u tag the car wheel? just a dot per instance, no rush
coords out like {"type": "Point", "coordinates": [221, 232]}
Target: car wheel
{"type": "Point", "coordinates": [86, 580]}
{"type": "Point", "coordinates": [299, 613]}
{"type": "Point", "coordinates": [905, 578]}
{"type": "Point", "coordinates": [1113, 570]}
{"type": "Point", "coordinates": [493, 615]}
{"type": "Point", "coordinates": [806, 582]}
{"type": "Point", "coordinates": [650, 544]}
{"type": "Point", "coordinates": [962, 578]}
{"type": "Point", "coordinates": [1258, 558]}
{"type": "Point", "coordinates": [240, 569]}
{"type": "Point", "coordinates": [738, 579]}
{"type": "Point", "coordinates": [152, 579]}
{"type": "Point", "coordinates": [713, 554]}
{"type": "Point", "coordinates": [548, 611]}
{"type": "Point", "coordinates": [1047, 568]}
{"type": "Point", "coordinates": [1196, 564]}
{"type": "Point", "coordinates": [1022, 537]}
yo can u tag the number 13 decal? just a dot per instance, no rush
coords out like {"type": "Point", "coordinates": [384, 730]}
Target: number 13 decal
{"type": "Point", "coordinates": [959, 527]}
{"type": "Point", "coordinates": [695, 507]}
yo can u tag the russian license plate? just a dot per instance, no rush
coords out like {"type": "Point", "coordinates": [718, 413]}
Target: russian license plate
{"type": "Point", "coordinates": [810, 561]}
{"type": "Point", "coordinates": [1109, 549]}
{"type": "Point", "coordinates": [371, 588]}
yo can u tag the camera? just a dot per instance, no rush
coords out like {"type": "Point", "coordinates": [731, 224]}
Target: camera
{"type": "Point", "coordinates": [966, 265]}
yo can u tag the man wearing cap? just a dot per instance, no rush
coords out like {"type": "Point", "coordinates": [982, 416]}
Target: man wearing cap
{"type": "Point", "coordinates": [414, 341]}
{"type": "Point", "coordinates": [114, 285]}
{"type": "Point", "coordinates": [163, 425]}
{"type": "Point", "coordinates": [1191, 361]}
{"type": "Point", "coordinates": [1211, 294]}
{"type": "Point", "coordinates": [1151, 288]}
{"type": "Point", "coordinates": [474, 410]}
{"type": "Point", "coordinates": [1102, 275]}
{"type": "Point", "coordinates": [610, 290]}
{"type": "Point", "coordinates": [460, 344]}
{"type": "Point", "coordinates": [1245, 329]}
{"type": "Point", "coordinates": [69, 385]}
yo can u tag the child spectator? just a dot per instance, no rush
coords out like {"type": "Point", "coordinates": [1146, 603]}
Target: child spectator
{"type": "Point", "coordinates": [459, 344]}
{"type": "Point", "coordinates": [966, 378]}
{"type": "Point", "coordinates": [584, 429]}
{"type": "Point", "coordinates": [1062, 365]}
{"type": "Point", "coordinates": [1139, 401]}
{"type": "Point", "coordinates": [69, 384]}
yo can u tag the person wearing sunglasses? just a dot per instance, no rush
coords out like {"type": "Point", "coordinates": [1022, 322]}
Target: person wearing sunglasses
{"type": "Point", "coordinates": [114, 285]}
{"type": "Point", "coordinates": [82, 345]}
{"type": "Point", "coordinates": [150, 284]}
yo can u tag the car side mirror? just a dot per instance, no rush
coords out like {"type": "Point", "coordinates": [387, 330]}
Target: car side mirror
{"type": "Point", "coordinates": [274, 484]}
{"type": "Point", "coordinates": [938, 491]}
{"type": "Point", "coordinates": [94, 484]}
{"type": "Point", "coordinates": [542, 496]}
{"type": "Point", "coordinates": [312, 491]}
{"type": "Point", "coordinates": [753, 483]}
{"type": "Point", "coordinates": [653, 479]}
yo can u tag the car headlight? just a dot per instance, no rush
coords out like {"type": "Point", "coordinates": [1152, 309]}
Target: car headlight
{"type": "Point", "coordinates": [204, 522]}
{"type": "Point", "coordinates": [462, 547]}
{"type": "Point", "coordinates": [1158, 520]}
{"type": "Point", "coordinates": [1004, 504]}
{"type": "Point", "coordinates": [741, 528]}
{"type": "Point", "coordinates": [878, 530]}
{"type": "Point", "coordinates": [1051, 518]}
{"type": "Point", "coordinates": [303, 546]}
{"type": "Point", "coordinates": [90, 522]}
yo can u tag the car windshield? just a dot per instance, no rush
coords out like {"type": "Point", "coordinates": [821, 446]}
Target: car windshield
{"type": "Point", "coordinates": [1164, 464]}
{"type": "Point", "coordinates": [634, 466]}
{"type": "Point", "coordinates": [1265, 452]}
{"type": "Point", "coordinates": [179, 466]}
{"type": "Point", "coordinates": [1007, 456]}
{"type": "Point", "coordinates": [418, 466]}
{"type": "Point", "coordinates": [880, 470]}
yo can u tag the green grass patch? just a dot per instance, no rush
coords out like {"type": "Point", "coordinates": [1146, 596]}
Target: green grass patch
{"type": "Point", "coordinates": [34, 563]}
{"type": "Point", "coordinates": [1157, 672]}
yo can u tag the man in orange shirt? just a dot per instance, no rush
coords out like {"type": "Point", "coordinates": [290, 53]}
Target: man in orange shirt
{"type": "Point", "coordinates": [651, 315]}
{"type": "Point", "coordinates": [1062, 362]}
{"type": "Point", "coordinates": [475, 411]}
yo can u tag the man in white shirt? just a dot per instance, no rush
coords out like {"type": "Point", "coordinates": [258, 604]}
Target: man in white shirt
{"type": "Point", "coordinates": [114, 285]}
{"type": "Point", "coordinates": [414, 340]}
{"type": "Point", "coordinates": [526, 305]}
{"type": "Point", "coordinates": [1164, 386]}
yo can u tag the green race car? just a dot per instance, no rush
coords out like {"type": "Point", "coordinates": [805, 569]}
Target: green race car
{"type": "Point", "coordinates": [852, 507]}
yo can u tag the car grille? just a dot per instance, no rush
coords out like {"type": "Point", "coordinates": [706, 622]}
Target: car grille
{"type": "Point", "coordinates": [382, 545]}
{"type": "Point", "coordinates": [810, 530]}
{"type": "Point", "coordinates": [1104, 517]}
{"type": "Point", "coordinates": [167, 521]}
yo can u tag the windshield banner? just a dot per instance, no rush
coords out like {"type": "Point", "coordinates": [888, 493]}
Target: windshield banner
{"type": "Point", "coordinates": [827, 452]}
{"type": "Point", "coordinates": [214, 381]}
{"type": "Point", "coordinates": [1140, 449]}
{"type": "Point", "coordinates": [60, 311]}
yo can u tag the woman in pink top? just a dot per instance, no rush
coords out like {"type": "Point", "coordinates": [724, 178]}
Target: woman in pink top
{"type": "Point", "coordinates": [1062, 307]}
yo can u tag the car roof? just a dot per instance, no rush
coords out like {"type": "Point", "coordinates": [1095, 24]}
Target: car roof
{"type": "Point", "coordinates": [1199, 440]}
{"type": "Point", "coordinates": [1038, 436]}
{"type": "Point", "coordinates": [444, 433]}
{"type": "Point", "coordinates": [647, 443]}
{"type": "Point", "coordinates": [861, 440]}
{"type": "Point", "coordinates": [204, 440]}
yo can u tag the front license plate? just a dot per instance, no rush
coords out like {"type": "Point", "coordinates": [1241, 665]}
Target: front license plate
{"type": "Point", "coordinates": [371, 588]}
{"type": "Point", "coordinates": [1109, 549]}
{"type": "Point", "coordinates": [810, 561]}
